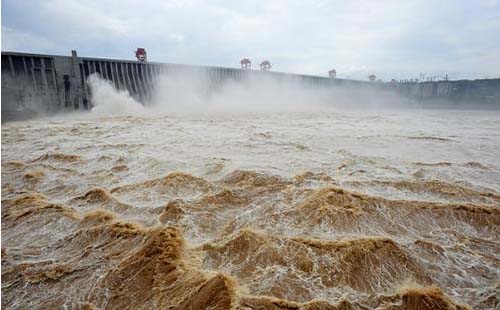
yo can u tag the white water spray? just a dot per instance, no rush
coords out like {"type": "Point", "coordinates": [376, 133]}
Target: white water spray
{"type": "Point", "coordinates": [109, 101]}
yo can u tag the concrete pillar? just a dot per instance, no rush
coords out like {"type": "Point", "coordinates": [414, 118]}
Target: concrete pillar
{"type": "Point", "coordinates": [76, 76]}
{"type": "Point", "coordinates": [119, 74]}
{"type": "Point", "coordinates": [11, 64]}
{"type": "Point", "coordinates": [83, 80]}
{"type": "Point", "coordinates": [98, 65]}
{"type": "Point", "coordinates": [32, 73]}
{"type": "Point", "coordinates": [104, 70]}
{"type": "Point", "coordinates": [140, 71]}
{"type": "Point", "coordinates": [135, 78]}
{"type": "Point", "coordinates": [116, 78]}
{"type": "Point", "coordinates": [150, 70]}
{"type": "Point", "coordinates": [109, 73]}
{"type": "Point", "coordinates": [130, 74]}
{"type": "Point", "coordinates": [44, 77]}
{"type": "Point", "coordinates": [140, 80]}
{"type": "Point", "coordinates": [145, 81]}
{"type": "Point", "coordinates": [25, 68]}
{"type": "Point", "coordinates": [74, 64]}
{"type": "Point", "coordinates": [89, 70]}
{"type": "Point", "coordinates": [149, 73]}
{"type": "Point", "coordinates": [127, 77]}
{"type": "Point", "coordinates": [123, 76]}
{"type": "Point", "coordinates": [97, 68]}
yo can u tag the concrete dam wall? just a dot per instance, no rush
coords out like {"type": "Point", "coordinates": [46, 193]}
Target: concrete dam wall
{"type": "Point", "coordinates": [485, 92]}
{"type": "Point", "coordinates": [36, 83]}
{"type": "Point", "coordinates": [39, 84]}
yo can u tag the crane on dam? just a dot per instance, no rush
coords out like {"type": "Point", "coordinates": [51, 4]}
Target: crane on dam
{"type": "Point", "coordinates": [246, 64]}
{"type": "Point", "coordinates": [265, 65]}
{"type": "Point", "coordinates": [141, 54]}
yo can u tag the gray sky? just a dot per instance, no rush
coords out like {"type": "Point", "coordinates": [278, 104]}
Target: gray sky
{"type": "Point", "coordinates": [392, 39]}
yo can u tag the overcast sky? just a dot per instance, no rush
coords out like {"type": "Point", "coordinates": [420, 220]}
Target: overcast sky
{"type": "Point", "coordinates": [392, 39]}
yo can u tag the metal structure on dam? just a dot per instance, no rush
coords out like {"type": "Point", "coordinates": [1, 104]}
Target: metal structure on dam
{"type": "Point", "coordinates": [37, 83]}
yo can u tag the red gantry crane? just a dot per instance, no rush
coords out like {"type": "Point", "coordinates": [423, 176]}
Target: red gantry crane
{"type": "Point", "coordinates": [141, 54]}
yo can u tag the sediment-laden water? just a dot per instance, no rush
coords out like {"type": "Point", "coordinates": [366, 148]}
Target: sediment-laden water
{"type": "Point", "coordinates": [331, 210]}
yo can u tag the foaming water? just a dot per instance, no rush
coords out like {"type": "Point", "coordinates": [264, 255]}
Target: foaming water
{"type": "Point", "coordinates": [109, 101]}
{"type": "Point", "coordinates": [330, 210]}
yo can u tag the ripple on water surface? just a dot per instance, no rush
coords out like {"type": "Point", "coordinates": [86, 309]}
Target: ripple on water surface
{"type": "Point", "coordinates": [269, 212]}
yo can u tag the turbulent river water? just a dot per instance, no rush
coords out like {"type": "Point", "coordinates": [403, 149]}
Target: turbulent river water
{"type": "Point", "coordinates": [321, 210]}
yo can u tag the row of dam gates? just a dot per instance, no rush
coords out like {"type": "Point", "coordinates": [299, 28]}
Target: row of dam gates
{"type": "Point", "coordinates": [37, 83]}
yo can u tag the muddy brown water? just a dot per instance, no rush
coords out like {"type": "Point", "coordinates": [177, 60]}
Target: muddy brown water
{"type": "Point", "coordinates": [333, 210]}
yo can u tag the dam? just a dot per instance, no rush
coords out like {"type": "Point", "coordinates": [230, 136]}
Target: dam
{"type": "Point", "coordinates": [34, 83]}
{"type": "Point", "coordinates": [44, 84]}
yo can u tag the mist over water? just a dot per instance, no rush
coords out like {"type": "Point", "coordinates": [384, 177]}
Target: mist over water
{"type": "Point", "coordinates": [250, 196]}
{"type": "Point", "coordinates": [109, 101]}
{"type": "Point", "coordinates": [190, 92]}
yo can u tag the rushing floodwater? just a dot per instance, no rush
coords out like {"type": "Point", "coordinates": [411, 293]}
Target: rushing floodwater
{"type": "Point", "coordinates": [331, 210]}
